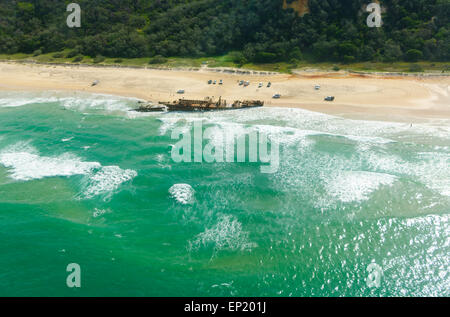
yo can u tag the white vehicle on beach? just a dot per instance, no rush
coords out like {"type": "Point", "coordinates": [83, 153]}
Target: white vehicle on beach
{"type": "Point", "coordinates": [181, 91]}
{"type": "Point", "coordinates": [276, 96]}
{"type": "Point", "coordinates": [317, 87]}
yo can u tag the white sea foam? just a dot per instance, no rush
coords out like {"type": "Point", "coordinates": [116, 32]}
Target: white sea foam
{"type": "Point", "coordinates": [18, 102]}
{"type": "Point", "coordinates": [359, 130]}
{"type": "Point", "coordinates": [77, 100]}
{"type": "Point", "coordinates": [348, 186]}
{"type": "Point", "coordinates": [226, 234]}
{"type": "Point", "coordinates": [96, 102]}
{"type": "Point", "coordinates": [107, 180]}
{"type": "Point", "coordinates": [432, 168]}
{"type": "Point", "coordinates": [26, 164]}
{"type": "Point", "coordinates": [15, 99]}
{"type": "Point", "coordinates": [183, 193]}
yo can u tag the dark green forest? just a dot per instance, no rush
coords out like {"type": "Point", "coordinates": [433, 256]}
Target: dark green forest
{"type": "Point", "coordinates": [258, 31]}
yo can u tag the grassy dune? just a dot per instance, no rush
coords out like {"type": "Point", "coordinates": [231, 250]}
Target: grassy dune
{"type": "Point", "coordinates": [227, 61]}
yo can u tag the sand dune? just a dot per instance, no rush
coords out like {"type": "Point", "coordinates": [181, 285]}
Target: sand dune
{"type": "Point", "coordinates": [377, 97]}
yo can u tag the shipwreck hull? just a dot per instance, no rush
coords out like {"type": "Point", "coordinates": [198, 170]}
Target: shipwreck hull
{"type": "Point", "coordinates": [184, 108]}
{"type": "Point", "coordinates": [184, 105]}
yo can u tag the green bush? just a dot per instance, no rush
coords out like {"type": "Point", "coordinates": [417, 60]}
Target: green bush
{"type": "Point", "coordinates": [99, 59]}
{"type": "Point", "coordinates": [58, 55]}
{"type": "Point", "coordinates": [158, 59]}
{"type": "Point", "coordinates": [37, 53]}
{"type": "Point", "coordinates": [413, 55]}
{"type": "Point", "coordinates": [118, 60]}
{"type": "Point", "coordinates": [293, 62]}
{"type": "Point", "coordinates": [76, 51]}
{"type": "Point", "coordinates": [265, 57]}
{"type": "Point", "coordinates": [416, 68]}
{"type": "Point", "coordinates": [77, 59]}
{"type": "Point", "coordinates": [296, 54]}
{"type": "Point", "coordinates": [349, 59]}
{"type": "Point", "coordinates": [238, 58]}
{"type": "Point", "coordinates": [336, 68]}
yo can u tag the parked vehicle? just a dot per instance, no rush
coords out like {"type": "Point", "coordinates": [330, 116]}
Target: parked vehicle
{"type": "Point", "coordinates": [209, 82]}
{"type": "Point", "coordinates": [215, 82]}
{"type": "Point", "coordinates": [276, 96]}
{"type": "Point", "coordinates": [260, 85]}
{"type": "Point", "coordinates": [246, 83]}
{"type": "Point", "coordinates": [221, 82]}
{"type": "Point", "coordinates": [317, 87]}
{"type": "Point", "coordinates": [241, 82]}
{"type": "Point", "coordinates": [329, 98]}
{"type": "Point", "coordinates": [269, 84]}
{"type": "Point", "coordinates": [181, 91]}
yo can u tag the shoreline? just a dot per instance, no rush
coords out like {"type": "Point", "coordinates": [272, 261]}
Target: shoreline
{"type": "Point", "coordinates": [386, 97]}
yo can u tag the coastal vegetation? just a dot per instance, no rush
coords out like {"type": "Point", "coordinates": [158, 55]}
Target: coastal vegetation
{"type": "Point", "coordinates": [269, 34]}
{"type": "Point", "coordinates": [226, 61]}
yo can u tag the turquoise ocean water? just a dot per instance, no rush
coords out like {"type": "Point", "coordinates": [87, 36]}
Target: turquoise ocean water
{"type": "Point", "coordinates": [83, 180]}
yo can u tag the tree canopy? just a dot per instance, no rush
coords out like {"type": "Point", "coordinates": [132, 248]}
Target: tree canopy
{"type": "Point", "coordinates": [261, 30]}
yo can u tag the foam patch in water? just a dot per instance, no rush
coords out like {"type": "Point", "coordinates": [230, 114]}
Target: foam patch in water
{"type": "Point", "coordinates": [182, 193]}
{"type": "Point", "coordinates": [107, 180]}
{"type": "Point", "coordinates": [348, 186]}
{"type": "Point", "coordinates": [227, 234]}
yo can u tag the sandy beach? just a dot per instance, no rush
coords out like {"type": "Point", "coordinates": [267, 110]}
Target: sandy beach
{"type": "Point", "coordinates": [397, 98]}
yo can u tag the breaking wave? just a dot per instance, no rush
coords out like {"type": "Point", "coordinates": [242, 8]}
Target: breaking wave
{"type": "Point", "coordinates": [79, 101]}
{"type": "Point", "coordinates": [182, 193]}
{"type": "Point", "coordinates": [107, 180]}
{"type": "Point", "coordinates": [26, 164]}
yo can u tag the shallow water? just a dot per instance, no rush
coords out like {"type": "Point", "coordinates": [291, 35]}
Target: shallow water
{"type": "Point", "coordinates": [83, 180]}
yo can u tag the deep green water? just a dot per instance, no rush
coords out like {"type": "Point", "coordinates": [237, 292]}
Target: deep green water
{"type": "Point", "coordinates": [82, 180]}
